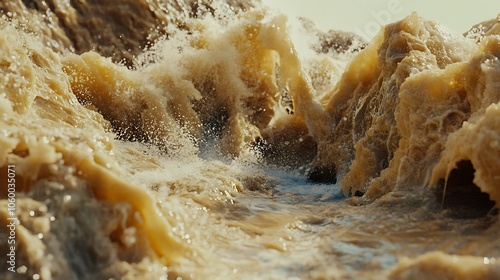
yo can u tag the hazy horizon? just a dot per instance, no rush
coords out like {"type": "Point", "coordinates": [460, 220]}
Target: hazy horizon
{"type": "Point", "coordinates": [365, 17]}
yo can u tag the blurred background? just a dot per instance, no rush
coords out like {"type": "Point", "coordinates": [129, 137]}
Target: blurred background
{"type": "Point", "coordinates": [365, 17]}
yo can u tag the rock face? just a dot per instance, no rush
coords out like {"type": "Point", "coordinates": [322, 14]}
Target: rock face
{"type": "Point", "coordinates": [410, 106]}
{"type": "Point", "coordinates": [119, 29]}
{"type": "Point", "coordinates": [129, 160]}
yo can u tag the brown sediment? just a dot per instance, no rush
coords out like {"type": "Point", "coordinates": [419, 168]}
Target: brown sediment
{"type": "Point", "coordinates": [45, 130]}
{"type": "Point", "coordinates": [117, 29]}
{"type": "Point", "coordinates": [136, 111]}
{"type": "Point", "coordinates": [437, 265]}
{"type": "Point", "coordinates": [398, 102]}
{"type": "Point", "coordinates": [415, 108]}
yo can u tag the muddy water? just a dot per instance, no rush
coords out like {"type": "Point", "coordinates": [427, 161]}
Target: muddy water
{"type": "Point", "coordinates": [193, 140]}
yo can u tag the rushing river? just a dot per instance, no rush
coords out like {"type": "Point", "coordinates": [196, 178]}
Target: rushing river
{"type": "Point", "coordinates": [182, 139]}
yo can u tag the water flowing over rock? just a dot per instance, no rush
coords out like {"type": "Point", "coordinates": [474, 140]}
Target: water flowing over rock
{"type": "Point", "coordinates": [192, 139]}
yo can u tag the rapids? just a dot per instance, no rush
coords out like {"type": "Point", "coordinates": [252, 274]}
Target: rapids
{"type": "Point", "coordinates": [182, 139]}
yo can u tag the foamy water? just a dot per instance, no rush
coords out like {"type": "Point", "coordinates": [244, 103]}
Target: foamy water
{"type": "Point", "coordinates": [187, 140]}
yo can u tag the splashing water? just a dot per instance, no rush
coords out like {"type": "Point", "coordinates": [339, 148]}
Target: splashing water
{"type": "Point", "coordinates": [198, 140]}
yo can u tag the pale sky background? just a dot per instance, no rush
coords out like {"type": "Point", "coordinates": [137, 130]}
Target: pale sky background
{"type": "Point", "coordinates": [365, 16]}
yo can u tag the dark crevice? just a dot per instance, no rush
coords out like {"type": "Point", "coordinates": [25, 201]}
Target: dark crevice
{"type": "Point", "coordinates": [284, 150]}
{"type": "Point", "coordinates": [323, 174]}
{"type": "Point", "coordinates": [358, 193]}
{"type": "Point", "coordinates": [460, 197]}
